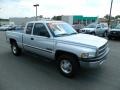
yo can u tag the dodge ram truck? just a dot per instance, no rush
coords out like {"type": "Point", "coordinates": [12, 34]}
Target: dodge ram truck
{"type": "Point", "coordinates": [58, 41]}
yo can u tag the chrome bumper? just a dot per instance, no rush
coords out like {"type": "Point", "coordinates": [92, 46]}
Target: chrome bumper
{"type": "Point", "coordinates": [94, 62]}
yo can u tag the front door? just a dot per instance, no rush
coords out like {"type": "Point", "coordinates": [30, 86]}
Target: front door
{"type": "Point", "coordinates": [98, 29]}
{"type": "Point", "coordinates": [42, 43]}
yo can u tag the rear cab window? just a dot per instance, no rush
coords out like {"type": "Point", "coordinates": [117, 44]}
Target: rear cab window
{"type": "Point", "coordinates": [98, 26]}
{"type": "Point", "coordinates": [29, 28]}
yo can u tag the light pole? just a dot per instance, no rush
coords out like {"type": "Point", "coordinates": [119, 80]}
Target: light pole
{"type": "Point", "coordinates": [110, 13]}
{"type": "Point", "coordinates": [0, 19]}
{"type": "Point", "coordinates": [36, 5]}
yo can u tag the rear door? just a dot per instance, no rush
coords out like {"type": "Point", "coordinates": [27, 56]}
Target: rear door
{"type": "Point", "coordinates": [27, 37]}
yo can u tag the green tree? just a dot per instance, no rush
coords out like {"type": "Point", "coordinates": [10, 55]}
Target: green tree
{"type": "Point", "coordinates": [107, 17]}
{"type": "Point", "coordinates": [117, 16]}
{"type": "Point", "coordinates": [57, 17]}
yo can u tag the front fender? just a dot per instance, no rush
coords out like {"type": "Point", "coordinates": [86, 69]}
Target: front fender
{"type": "Point", "coordinates": [75, 49]}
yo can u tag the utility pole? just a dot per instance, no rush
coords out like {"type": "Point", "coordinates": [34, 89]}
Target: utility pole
{"type": "Point", "coordinates": [0, 20]}
{"type": "Point", "coordinates": [36, 5]}
{"type": "Point", "coordinates": [109, 20]}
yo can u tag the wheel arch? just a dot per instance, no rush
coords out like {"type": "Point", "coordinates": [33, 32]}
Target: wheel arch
{"type": "Point", "coordinates": [61, 52]}
{"type": "Point", "coordinates": [12, 41]}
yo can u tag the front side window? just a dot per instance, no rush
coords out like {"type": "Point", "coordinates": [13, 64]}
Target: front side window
{"type": "Point", "coordinates": [98, 26]}
{"type": "Point", "coordinates": [29, 28]}
{"type": "Point", "coordinates": [40, 30]}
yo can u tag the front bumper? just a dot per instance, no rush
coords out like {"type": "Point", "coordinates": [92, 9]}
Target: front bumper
{"type": "Point", "coordinates": [94, 62]}
{"type": "Point", "coordinates": [86, 32]}
{"type": "Point", "coordinates": [114, 34]}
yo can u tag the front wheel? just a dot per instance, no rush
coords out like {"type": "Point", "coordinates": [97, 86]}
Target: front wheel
{"type": "Point", "coordinates": [109, 37]}
{"type": "Point", "coordinates": [68, 65]}
{"type": "Point", "coordinates": [15, 49]}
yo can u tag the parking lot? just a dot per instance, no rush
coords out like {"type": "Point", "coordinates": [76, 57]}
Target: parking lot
{"type": "Point", "coordinates": [29, 72]}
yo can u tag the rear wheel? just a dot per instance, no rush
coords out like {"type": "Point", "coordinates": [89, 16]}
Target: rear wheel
{"type": "Point", "coordinates": [67, 65]}
{"type": "Point", "coordinates": [15, 49]}
{"type": "Point", "coordinates": [105, 34]}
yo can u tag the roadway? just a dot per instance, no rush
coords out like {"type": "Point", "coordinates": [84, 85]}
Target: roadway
{"type": "Point", "coordinates": [35, 73]}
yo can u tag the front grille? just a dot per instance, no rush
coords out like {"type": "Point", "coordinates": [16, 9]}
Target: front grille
{"type": "Point", "coordinates": [115, 32]}
{"type": "Point", "coordinates": [102, 50]}
{"type": "Point", "coordinates": [87, 31]}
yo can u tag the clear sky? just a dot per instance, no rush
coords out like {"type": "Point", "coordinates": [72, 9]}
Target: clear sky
{"type": "Point", "coordinates": [49, 8]}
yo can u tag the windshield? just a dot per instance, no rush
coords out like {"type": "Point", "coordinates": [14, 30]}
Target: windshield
{"type": "Point", "coordinates": [6, 26]}
{"type": "Point", "coordinates": [61, 29]}
{"type": "Point", "coordinates": [104, 25]}
{"type": "Point", "coordinates": [91, 26]}
{"type": "Point", "coordinates": [117, 27]}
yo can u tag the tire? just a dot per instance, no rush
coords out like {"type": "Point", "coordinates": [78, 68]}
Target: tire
{"type": "Point", "coordinates": [15, 49]}
{"type": "Point", "coordinates": [68, 65]}
{"type": "Point", "coordinates": [109, 37]}
{"type": "Point", "coordinates": [105, 34]}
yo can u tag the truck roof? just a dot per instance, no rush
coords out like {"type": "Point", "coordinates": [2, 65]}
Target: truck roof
{"type": "Point", "coordinates": [44, 21]}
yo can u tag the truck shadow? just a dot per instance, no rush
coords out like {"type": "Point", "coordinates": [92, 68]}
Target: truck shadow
{"type": "Point", "coordinates": [49, 69]}
{"type": "Point", "coordinates": [39, 62]}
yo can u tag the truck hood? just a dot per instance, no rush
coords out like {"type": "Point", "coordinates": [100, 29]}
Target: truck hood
{"type": "Point", "coordinates": [3, 27]}
{"type": "Point", "coordinates": [115, 30]}
{"type": "Point", "coordinates": [91, 29]}
{"type": "Point", "coordinates": [85, 39]}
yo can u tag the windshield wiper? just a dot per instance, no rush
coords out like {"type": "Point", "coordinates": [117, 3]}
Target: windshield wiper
{"type": "Point", "coordinates": [73, 33]}
{"type": "Point", "coordinates": [64, 34]}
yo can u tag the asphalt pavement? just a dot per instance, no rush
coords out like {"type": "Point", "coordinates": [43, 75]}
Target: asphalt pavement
{"type": "Point", "coordinates": [28, 72]}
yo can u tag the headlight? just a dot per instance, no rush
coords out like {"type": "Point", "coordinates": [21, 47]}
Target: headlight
{"type": "Point", "coordinates": [84, 55]}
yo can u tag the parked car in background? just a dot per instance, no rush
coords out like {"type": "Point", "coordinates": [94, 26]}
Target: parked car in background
{"type": "Point", "coordinates": [77, 27]}
{"type": "Point", "coordinates": [19, 28]}
{"type": "Point", "coordinates": [114, 33]}
{"type": "Point", "coordinates": [100, 29]}
{"type": "Point", "coordinates": [7, 27]}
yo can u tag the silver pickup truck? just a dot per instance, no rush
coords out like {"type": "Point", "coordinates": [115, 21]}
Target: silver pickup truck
{"type": "Point", "coordinates": [100, 29]}
{"type": "Point", "coordinates": [58, 41]}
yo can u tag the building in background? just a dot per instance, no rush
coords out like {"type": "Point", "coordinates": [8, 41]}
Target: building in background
{"type": "Point", "coordinates": [75, 19]}
{"type": "Point", "coordinates": [4, 22]}
{"type": "Point", "coordinates": [21, 20]}
{"type": "Point", "coordinates": [68, 19]}
{"type": "Point", "coordinates": [78, 19]}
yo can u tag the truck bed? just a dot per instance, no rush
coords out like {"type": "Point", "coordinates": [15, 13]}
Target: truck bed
{"type": "Point", "coordinates": [16, 35]}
